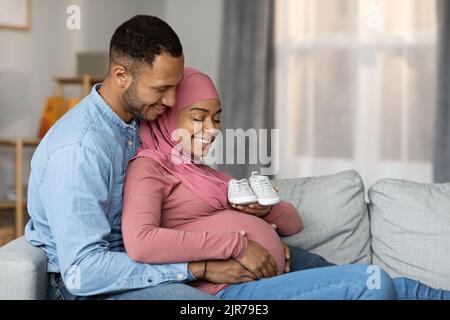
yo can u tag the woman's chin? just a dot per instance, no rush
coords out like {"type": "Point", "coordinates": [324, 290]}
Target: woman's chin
{"type": "Point", "coordinates": [200, 157]}
{"type": "Point", "coordinates": [201, 153]}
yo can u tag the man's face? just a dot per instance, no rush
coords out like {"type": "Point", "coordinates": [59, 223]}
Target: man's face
{"type": "Point", "coordinates": [155, 89]}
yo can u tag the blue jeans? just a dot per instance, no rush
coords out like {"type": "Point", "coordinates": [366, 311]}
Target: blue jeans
{"type": "Point", "coordinates": [347, 282]}
{"type": "Point", "coordinates": [300, 260]}
{"type": "Point", "coordinates": [323, 280]}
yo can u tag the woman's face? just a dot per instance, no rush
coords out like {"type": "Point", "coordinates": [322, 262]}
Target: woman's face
{"type": "Point", "coordinates": [198, 125]}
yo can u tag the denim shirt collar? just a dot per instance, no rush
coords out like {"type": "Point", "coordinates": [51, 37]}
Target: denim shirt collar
{"type": "Point", "coordinates": [106, 111]}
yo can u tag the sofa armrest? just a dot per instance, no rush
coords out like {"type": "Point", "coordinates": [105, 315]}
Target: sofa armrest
{"type": "Point", "coordinates": [23, 271]}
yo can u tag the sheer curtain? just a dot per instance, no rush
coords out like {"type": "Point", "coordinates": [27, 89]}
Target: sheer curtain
{"type": "Point", "coordinates": [355, 87]}
{"type": "Point", "coordinates": [246, 74]}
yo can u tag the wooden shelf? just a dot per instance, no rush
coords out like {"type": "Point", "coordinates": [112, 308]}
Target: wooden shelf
{"type": "Point", "coordinates": [7, 205]}
{"type": "Point", "coordinates": [26, 142]}
{"type": "Point", "coordinates": [86, 82]}
{"type": "Point", "coordinates": [6, 235]}
{"type": "Point", "coordinates": [19, 205]}
{"type": "Point", "coordinates": [10, 205]}
{"type": "Point", "coordinates": [77, 80]}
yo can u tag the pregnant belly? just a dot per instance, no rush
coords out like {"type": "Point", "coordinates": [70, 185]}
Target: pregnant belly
{"type": "Point", "coordinates": [256, 229]}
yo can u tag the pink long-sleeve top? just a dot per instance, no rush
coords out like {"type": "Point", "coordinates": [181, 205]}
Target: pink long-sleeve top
{"type": "Point", "coordinates": [165, 222]}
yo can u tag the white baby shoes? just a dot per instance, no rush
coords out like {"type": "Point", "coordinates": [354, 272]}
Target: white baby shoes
{"type": "Point", "coordinates": [256, 189]}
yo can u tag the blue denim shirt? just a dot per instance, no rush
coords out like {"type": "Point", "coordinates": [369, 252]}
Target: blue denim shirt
{"type": "Point", "coordinates": [75, 202]}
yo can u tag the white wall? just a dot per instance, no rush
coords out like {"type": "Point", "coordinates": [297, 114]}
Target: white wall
{"type": "Point", "coordinates": [198, 23]}
{"type": "Point", "coordinates": [102, 17]}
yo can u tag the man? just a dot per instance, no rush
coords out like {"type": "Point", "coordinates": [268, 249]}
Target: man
{"type": "Point", "coordinates": [77, 175]}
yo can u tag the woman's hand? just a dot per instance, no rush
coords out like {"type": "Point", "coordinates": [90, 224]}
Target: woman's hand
{"type": "Point", "coordinates": [227, 271]}
{"type": "Point", "coordinates": [254, 209]}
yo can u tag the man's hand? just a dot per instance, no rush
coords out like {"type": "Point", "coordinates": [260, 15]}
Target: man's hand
{"type": "Point", "coordinates": [254, 209]}
{"type": "Point", "coordinates": [197, 268]}
{"type": "Point", "coordinates": [258, 261]}
{"type": "Point", "coordinates": [287, 256]}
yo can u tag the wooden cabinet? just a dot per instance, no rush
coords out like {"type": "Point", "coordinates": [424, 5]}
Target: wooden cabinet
{"type": "Point", "coordinates": [19, 205]}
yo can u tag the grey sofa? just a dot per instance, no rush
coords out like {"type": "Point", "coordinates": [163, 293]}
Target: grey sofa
{"type": "Point", "coordinates": [23, 271]}
{"type": "Point", "coordinates": [404, 228]}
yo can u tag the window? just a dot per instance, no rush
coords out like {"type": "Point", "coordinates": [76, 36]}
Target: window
{"type": "Point", "coordinates": [356, 87]}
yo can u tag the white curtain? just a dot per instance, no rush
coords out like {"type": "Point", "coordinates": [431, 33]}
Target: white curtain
{"type": "Point", "coordinates": [356, 87]}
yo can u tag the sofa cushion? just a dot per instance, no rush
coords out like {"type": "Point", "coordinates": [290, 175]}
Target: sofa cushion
{"type": "Point", "coordinates": [334, 213]}
{"type": "Point", "coordinates": [23, 271]}
{"type": "Point", "coordinates": [410, 225]}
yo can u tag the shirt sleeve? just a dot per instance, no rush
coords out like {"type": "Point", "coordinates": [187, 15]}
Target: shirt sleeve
{"type": "Point", "coordinates": [76, 198]}
{"type": "Point", "coordinates": [146, 188]}
{"type": "Point", "coordinates": [286, 217]}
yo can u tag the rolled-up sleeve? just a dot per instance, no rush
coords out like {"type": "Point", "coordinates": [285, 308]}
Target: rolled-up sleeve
{"type": "Point", "coordinates": [286, 217]}
{"type": "Point", "coordinates": [76, 198]}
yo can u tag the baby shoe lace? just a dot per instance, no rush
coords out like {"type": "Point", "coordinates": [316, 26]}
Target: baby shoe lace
{"type": "Point", "coordinates": [262, 184]}
{"type": "Point", "coordinates": [240, 185]}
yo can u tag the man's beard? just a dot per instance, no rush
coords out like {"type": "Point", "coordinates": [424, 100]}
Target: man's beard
{"type": "Point", "coordinates": [132, 103]}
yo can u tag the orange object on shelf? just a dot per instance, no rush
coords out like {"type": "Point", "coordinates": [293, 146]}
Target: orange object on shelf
{"type": "Point", "coordinates": [54, 109]}
{"type": "Point", "coordinates": [72, 102]}
{"type": "Point", "coordinates": [56, 106]}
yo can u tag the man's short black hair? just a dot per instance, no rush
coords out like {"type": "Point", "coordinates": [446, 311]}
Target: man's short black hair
{"type": "Point", "coordinates": [140, 39]}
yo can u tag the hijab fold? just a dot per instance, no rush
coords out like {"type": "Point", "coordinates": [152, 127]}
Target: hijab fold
{"type": "Point", "coordinates": [157, 143]}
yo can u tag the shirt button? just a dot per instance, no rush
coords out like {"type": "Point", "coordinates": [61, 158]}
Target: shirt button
{"type": "Point", "coordinates": [180, 276]}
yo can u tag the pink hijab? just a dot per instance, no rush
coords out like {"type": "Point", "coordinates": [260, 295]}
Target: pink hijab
{"type": "Point", "coordinates": [157, 144]}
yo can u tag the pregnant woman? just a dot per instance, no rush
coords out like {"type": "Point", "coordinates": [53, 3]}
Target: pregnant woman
{"type": "Point", "coordinates": [176, 210]}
